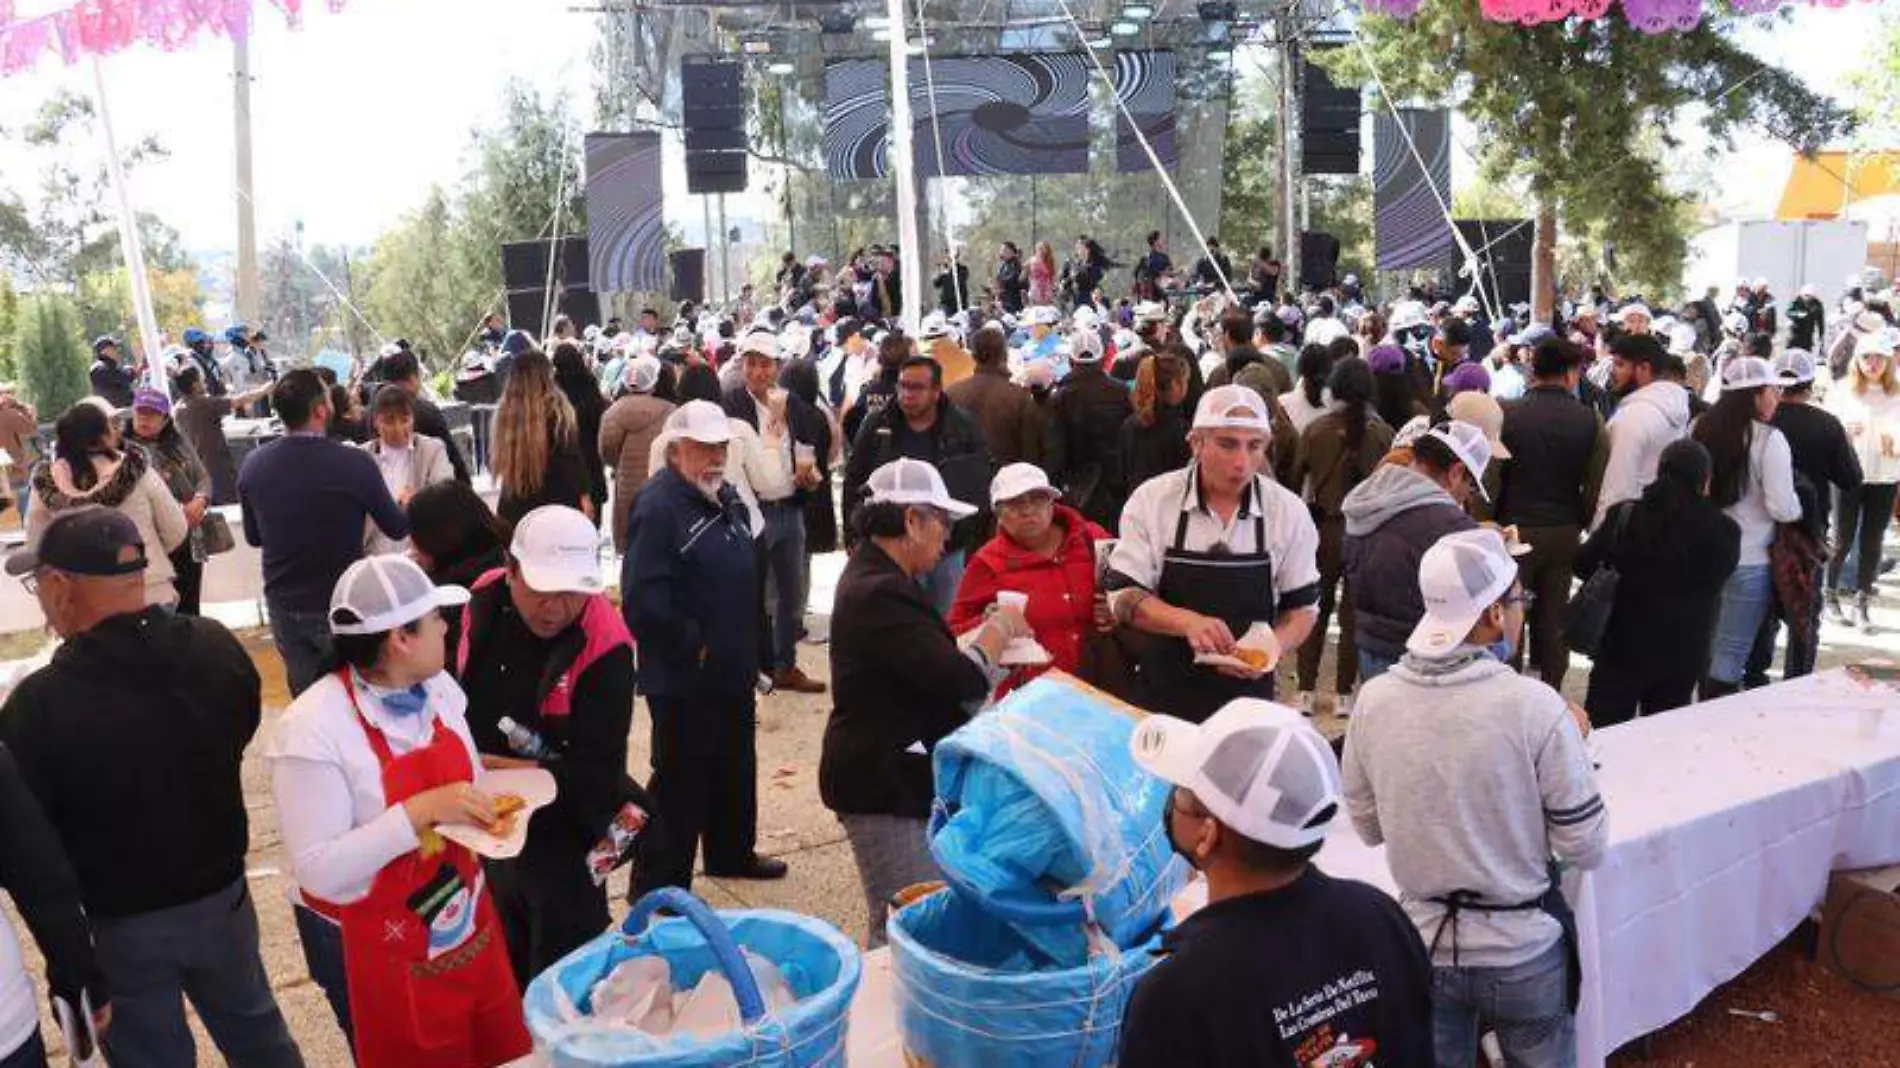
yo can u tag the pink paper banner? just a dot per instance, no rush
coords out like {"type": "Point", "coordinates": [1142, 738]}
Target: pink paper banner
{"type": "Point", "coordinates": [102, 27]}
{"type": "Point", "coordinates": [1649, 16]}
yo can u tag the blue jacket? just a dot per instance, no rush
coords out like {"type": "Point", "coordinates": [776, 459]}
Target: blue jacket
{"type": "Point", "coordinates": [688, 587]}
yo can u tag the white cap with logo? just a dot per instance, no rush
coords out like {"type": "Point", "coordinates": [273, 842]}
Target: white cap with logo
{"type": "Point", "coordinates": [558, 551]}
{"type": "Point", "coordinates": [1232, 408]}
{"type": "Point", "coordinates": [1458, 578]}
{"type": "Point", "coordinates": [701, 421]}
{"type": "Point", "coordinates": [1258, 767]}
{"type": "Point", "coordinates": [1469, 444]}
{"type": "Point", "coordinates": [1749, 372]}
{"type": "Point", "coordinates": [1042, 315]}
{"type": "Point", "coordinates": [380, 593]}
{"type": "Point", "coordinates": [907, 481]}
{"type": "Point", "coordinates": [1015, 480]}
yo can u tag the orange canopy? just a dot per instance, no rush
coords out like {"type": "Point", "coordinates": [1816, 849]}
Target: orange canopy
{"type": "Point", "coordinates": [1823, 187]}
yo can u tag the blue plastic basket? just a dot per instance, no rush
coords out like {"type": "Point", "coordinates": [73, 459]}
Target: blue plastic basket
{"type": "Point", "coordinates": [1043, 819]}
{"type": "Point", "coordinates": [822, 967]}
{"type": "Point", "coordinates": [973, 992]}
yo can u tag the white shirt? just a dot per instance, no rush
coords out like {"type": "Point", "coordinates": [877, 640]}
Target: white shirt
{"type": "Point", "coordinates": [769, 466]}
{"type": "Point", "coordinates": [1768, 497]}
{"type": "Point", "coordinates": [1154, 510]}
{"type": "Point", "coordinates": [1300, 411]}
{"type": "Point", "coordinates": [394, 463]}
{"type": "Point", "coordinates": [338, 828]}
{"type": "Point", "coordinates": [1869, 418]}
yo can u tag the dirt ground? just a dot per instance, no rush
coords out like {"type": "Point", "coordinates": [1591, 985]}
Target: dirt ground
{"type": "Point", "coordinates": [1821, 1019]}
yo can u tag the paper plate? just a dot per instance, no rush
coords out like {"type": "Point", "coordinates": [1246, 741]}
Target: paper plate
{"type": "Point", "coordinates": [1259, 636]}
{"type": "Point", "coordinates": [533, 785]}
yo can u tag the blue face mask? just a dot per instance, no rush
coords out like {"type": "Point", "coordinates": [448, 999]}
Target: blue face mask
{"type": "Point", "coordinates": [401, 703]}
{"type": "Point", "coordinates": [1500, 650]}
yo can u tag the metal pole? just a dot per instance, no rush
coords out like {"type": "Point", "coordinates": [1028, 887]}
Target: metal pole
{"type": "Point", "coordinates": [248, 282]}
{"type": "Point", "coordinates": [706, 272]}
{"type": "Point", "coordinates": [725, 256]}
{"type": "Point", "coordinates": [904, 170]}
{"type": "Point", "coordinates": [129, 245]}
{"type": "Point", "coordinates": [1289, 154]}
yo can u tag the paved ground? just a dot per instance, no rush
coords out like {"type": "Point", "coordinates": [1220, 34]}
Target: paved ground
{"type": "Point", "coordinates": [1824, 1022]}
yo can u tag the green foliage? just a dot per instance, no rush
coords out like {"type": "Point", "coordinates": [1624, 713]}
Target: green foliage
{"type": "Point", "coordinates": [104, 300]}
{"type": "Point", "coordinates": [9, 316]}
{"type": "Point", "coordinates": [1563, 108]}
{"type": "Point", "coordinates": [1342, 207]}
{"type": "Point", "coordinates": [413, 288]}
{"type": "Point", "coordinates": [50, 354]}
{"type": "Point", "coordinates": [1250, 186]}
{"type": "Point", "coordinates": [1877, 88]}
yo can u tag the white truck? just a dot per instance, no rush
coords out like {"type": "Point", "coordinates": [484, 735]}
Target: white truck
{"type": "Point", "coordinates": [1822, 253]}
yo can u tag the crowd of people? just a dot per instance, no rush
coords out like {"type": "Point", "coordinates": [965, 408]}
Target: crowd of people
{"type": "Point", "coordinates": [1163, 496]}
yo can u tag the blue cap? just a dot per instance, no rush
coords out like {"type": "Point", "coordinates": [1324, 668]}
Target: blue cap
{"type": "Point", "coordinates": [517, 342]}
{"type": "Point", "coordinates": [235, 335]}
{"type": "Point", "coordinates": [193, 335]}
{"type": "Point", "coordinates": [1532, 335]}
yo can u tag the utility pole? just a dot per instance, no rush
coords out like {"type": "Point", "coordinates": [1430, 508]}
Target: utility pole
{"type": "Point", "coordinates": [248, 284]}
{"type": "Point", "coordinates": [1288, 223]}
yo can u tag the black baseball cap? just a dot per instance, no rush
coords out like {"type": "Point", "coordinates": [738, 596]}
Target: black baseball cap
{"type": "Point", "coordinates": [92, 541]}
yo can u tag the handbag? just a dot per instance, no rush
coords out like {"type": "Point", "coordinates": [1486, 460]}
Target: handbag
{"type": "Point", "coordinates": [1589, 615]}
{"type": "Point", "coordinates": [216, 533]}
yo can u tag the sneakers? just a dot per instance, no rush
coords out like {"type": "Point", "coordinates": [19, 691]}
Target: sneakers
{"type": "Point", "coordinates": [1833, 612]}
{"type": "Point", "coordinates": [1861, 617]}
{"type": "Point", "coordinates": [1306, 703]}
{"type": "Point", "coordinates": [794, 680]}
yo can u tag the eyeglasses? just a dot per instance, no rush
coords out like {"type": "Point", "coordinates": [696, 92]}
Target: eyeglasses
{"type": "Point", "coordinates": [1523, 597]}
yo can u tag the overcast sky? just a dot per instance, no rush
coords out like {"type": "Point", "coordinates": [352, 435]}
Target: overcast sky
{"type": "Point", "coordinates": [359, 112]}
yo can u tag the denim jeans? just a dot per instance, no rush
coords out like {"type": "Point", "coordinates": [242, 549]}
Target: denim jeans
{"type": "Point", "coordinates": [323, 956]}
{"type": "Point", "coordinates": [1372, 665]}
{"type": "Point", "coordinates": [303, 641]}
{"type": "Point", "coordinates": [1745, 601]}
{"type": "Point", "coordinates": [783, 545]}
{"type": "Point", "coordinates": [940, 585]}
{"type": "Point", "coordinates": [205, 950]}
{"type": "Point", "coordinates": [29, 1054]}
{"type": "Point", "coordinates": [1523, 1005]}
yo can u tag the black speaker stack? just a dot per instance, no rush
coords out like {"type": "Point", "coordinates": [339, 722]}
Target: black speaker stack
{"type": "Point", "coordinates": [1329, 123]}
{"type": "Point", "coordinates": [525, 275]}
{"type": "Point", "coordinates": [1504, 248]}
{"type": "Point", "coordinates": [712, 105]}
{"type": "Point", "coordinates": [688, 269]}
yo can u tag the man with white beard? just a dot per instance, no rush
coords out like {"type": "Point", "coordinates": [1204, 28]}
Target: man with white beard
{"type": "Point", "coordinates": [689, 591]}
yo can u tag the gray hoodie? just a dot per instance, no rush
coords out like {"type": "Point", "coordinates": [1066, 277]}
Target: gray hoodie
{"type": "Point", "coordinates": [1472, 776]}
{"type": "Point", "coordinates": [1391, 519]}
{"type": "Point", "coordinates": [1646, 422]}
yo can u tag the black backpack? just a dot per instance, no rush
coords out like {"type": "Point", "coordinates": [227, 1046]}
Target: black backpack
{"type": "Point", "coordinates": [1589, 615]}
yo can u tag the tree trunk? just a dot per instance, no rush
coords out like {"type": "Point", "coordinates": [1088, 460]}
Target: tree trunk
{"type": "Point", "coordinates": [1544, 264]}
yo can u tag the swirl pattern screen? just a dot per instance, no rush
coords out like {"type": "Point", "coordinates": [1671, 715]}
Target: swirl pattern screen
{"type": "Point", "coordinates": [626, 243]}
{"type": "Point", "coordinates": [1144, 84]}
{"type": "Point", "coordinates": [1013, 114]}
{"type": "Point", "coordinates": [1410, 229]}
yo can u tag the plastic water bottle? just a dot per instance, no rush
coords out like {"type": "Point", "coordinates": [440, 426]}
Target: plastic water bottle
{"type": "Point", "coordinates": [526, 743]}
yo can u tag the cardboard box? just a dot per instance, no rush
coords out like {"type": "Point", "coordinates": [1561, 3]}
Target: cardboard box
{"type": "Point", "coordinates": [1860, 929]}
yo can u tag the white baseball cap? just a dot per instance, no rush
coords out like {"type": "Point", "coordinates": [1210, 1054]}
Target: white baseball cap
{"type": "Point", "coordinates": [380, 593]}
{"type": "Point", "coordinates": [1749, 372]}
{"type": "Point", "coordinates": [1042, 315]}
{"type": "Point", "coordinates": [1258, 767]}
{"type": "Point", "coordinates": [1085, 317]}
{"type": "Point", "coordinates": [1413, 430]}
{"type": "Point", "coordinates": [1631, 311]}
{"type": "Point", "coordinates": [1015, 480]}
{"type": "Point", "coordinates": [558, 551]}
{"type": "Point", "coordinates": [1468, 443]}
{"type": "Point", "coordinates": [1219, 407]}
{"type": "Point", "coordinates": [642, 374]}
{"type": "Point", "coordinates": [935, 326]}
{"type": "Point", "coordinates": [1085, 345]}
{"type": "Point", "coordinates": [1407, 314]}
{"type": "Point", "coordinates": [1883, 342]}
{"type": "Point", "coordinates": [1458, 578]}
{"type": "Point", "coordinates": [1735, 322]}
{"type": "Point", "coordinates": [1150, 311]}
{"type": "Point", "coordinates": [701, 421]}
{"type": "Point", "coordinates": [1466, 303]}
{"type": "Point", "coordinates": [907, 481]}
{"type": "Point", "coordinates": [795, 341]}
{"type": "Point", "coordinates": [1484, 412]}
{"type": "Point", "coordinates": [759, 343]}
{"type": "Point", "coordinates": [1682, 339]}
{"type": "Point", "coordinates": [1795, 366]}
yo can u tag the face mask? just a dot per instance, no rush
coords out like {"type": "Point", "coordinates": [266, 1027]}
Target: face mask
{"type": "Point", "coordinates": [400, 703]}
{"type": "Point", "coordinates": [1167, 828]}
{"type": "Point", "coordinates": [1500, 651]}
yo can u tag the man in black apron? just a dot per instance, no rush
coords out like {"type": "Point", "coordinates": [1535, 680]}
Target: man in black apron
{"type": "Point", "coordinates": [1477, 781]}
{"type": "Point", "coordinates": [1207, 552]}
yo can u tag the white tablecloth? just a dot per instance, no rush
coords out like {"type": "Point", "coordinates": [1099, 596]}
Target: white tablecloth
{"type": "Point", "coordinates": [1725, 820]}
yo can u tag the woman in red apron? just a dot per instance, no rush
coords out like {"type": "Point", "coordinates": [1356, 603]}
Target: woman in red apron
{"type": "Point", "coordinates": [397, 925]}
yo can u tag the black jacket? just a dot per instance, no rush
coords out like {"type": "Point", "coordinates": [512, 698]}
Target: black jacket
{"type": "Point", "coordinates": [897, 680]}
{"type": "Point", "coordinates": [112, 381]}
{"type": "Point", "coordinates": [809, 425]}
{"type": "Point", "coordinates": [132, 739]}
{"type": "Point", "coordinates": [1823, 456]}
{"type": "Point", "coordinates": [1147, 451]}
{"type": "Point", "coordinates": [1010, 285]}
{"type": "Point", "coordinates": [954, 446]}
{"type": "Point", "coordinates": [1550, 480]}
{"type": "Point", "coordinates": [1087, 411]}
{"type": "Point", "coordinates": [948, 292]}
{"type": "Point", "coordinates": [35, 873]}
{"type": "Point", "coordinates": [1673, 557]}
{"type": "Point", "coordinates": [429, 421]}
{"type": "Point", "coordinates": [1205, 275]}
{"type": "Point", "coordinates": [1807, 323]}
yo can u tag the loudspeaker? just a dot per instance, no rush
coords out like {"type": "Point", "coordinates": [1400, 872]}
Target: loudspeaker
{"type": "Point", "coordinates": [712, 109]}
{"type": "Point", "coordinates": [1319, 259]}
{"type": "Point", "coordinates": [687, 267]}
{"type": "Point", "coordinates": [525, 307]}
{"type": "Point", "coordinates": [1329, 123]}
{"type": "Point", "coordinates": [1505, 248]}
{"type": "Point", "coordinates": [524, 264]}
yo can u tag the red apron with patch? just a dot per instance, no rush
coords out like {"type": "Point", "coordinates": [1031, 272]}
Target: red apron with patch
{"type": "Point", "coordinates": [430, 983]}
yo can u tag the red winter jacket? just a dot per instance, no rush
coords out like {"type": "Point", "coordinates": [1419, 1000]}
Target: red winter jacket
{"type": "Point", "coordinates": [1061, 591]}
